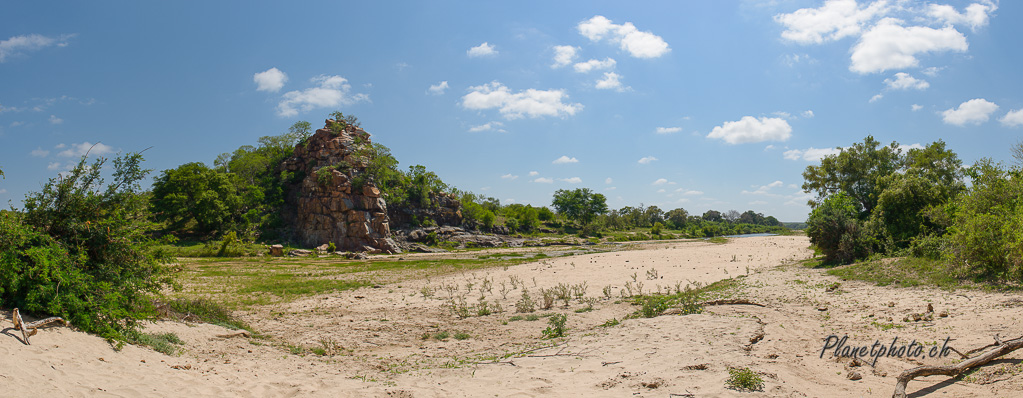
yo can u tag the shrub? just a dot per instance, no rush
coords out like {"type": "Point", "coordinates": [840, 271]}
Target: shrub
{"type": "Point", "coordinates": [835, 230]}
{"type": "Point", "coordinates": [744, 379]}
{"type": "Point", "coordinates": [556, 326]}
{"type": "Point", "coordinates": [82, 252]}
{"type": "Point", "coordinates": [656, 229]}
{"type": "Point", "coordinates": [525, 304]}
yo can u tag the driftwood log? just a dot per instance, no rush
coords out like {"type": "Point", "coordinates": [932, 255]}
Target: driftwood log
{"type": "Point", "coordinates": [1001, 348]}
{"type": "Point", "coordinates": [30, 329]}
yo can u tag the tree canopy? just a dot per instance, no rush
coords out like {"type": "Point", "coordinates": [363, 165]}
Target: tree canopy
{"type": "Point", "coordinates": [580, 205]}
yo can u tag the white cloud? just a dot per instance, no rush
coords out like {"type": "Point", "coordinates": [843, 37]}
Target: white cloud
{"type": "Point", "coordinates": [637, 43]}
{"type": "Point", "coordinates": [932, 71]}
{"type": "Point", "coordinates": [876, 98]}
{"type": "Point", "coordinates": [271, 80]}
{"type": "Point", "coordinates": [784, 115]}
{"type": "Point", "coordinates": [667, 130]}
{"type": "Point", "coordinates": [662, 190]}
{"type": "Point", "coordinates": [976, 15]}
{"type": "Point", "coordinates": [55, 120]}
{"type": "Point", "coordinates": [889, 45]}
{"type": "Point", "coordinates": [39, 153]}
{"type": "Point", "coordinates": [573, 180]}
{"type": "Point", "coordinates": [533, 173]}
{"type": "Point", "coordinates": [692, 193]}
{"type": "Point", "coordinates": [1012, 118]}
{"type": "Point", "coordinates": [904, 81]}
{"type": "Point", "coordinates": [916, 107]}
{"type": "Point", "coordinates": [544, 180]}
{"type": "Point", "coordinates": [610, 82]}
{"type": "Point", "coordinates": [53, 166]}
{"type": "Point", "coordinates": [974, 111]}
{"type": "Point", "coordinates": [565, 159]}
{"type": "Point", "coordinates": [18, 45]}
{"type": "Point", "coordinates": [906, 148]}
{"type": "Point", "coordinates": [482, 50]}
{"type": "Point", "coordinates": [591, 65]}
{"type": "Point", "coordinates": [563, 56]}
{"type": "Point", "coordinates": [810, 155]}
{"type": "Point", "coordinates": [79, 150]}
{"type": "Point", "coordinates": [832, 21]}
{"type": "Point", "coordinates": [533, 103]}
{"type": "Point", "coordinates": [608, 180]}
{"type": "Point", "coordinates": [750, 129]}
{"type": "Point", "coordinates": [509, 176]}
{"type": "Point", "coordinates": [660, 181]}
{"type": "Point", "coordinates": [331, 92]}
{"type": "Point", "coordinates": [438, 89]}
{"type": "Point", "coordinates": [647, 159]}
{"type": "Point", "coordinates": [491, 126]}
{"type": "Point", "coordinates": [808, 114]}
{"type": "Point", "coordinates": [763, 189]}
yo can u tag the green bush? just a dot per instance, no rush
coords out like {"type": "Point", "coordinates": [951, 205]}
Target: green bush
{"type": "Point", "coordinates": [81, 250]}
{"type": "Point", "coordinates": [835, 230]}
{"type": "Point", "coordinates": [744, 379]}
{"type": "Point", "coordinates": [986, 236]}
{"type": "Point", "coordinates": [556, 326]}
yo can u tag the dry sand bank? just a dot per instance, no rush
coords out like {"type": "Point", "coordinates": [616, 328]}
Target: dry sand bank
{"type": "Point", "coordinates": [377, 334]}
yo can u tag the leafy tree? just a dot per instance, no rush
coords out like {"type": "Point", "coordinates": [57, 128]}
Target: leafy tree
{"type": "Point", "coordinates": [677, 218]}
{"type": "Point", "coordinates": [580, 205]}
{"type": "Point", "coordinates": [712, 215]}
{"type": "Point", "coordinates": [194, 194]}
{"type": "Point", "coordinates": [835, 229]}
{"type": "Point", "coordinates": [986, 235]}
{"type": "Point", "coordinates": [80, 250]}
{"type": "Point", "coordinates": [857, 171]}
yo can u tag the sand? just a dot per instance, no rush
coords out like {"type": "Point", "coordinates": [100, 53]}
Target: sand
{"type": "Point", "coordinates": [376, 337]}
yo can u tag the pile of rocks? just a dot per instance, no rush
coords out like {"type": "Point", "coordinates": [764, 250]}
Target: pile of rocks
{"type": "Point", "coordinates": [323, 205]}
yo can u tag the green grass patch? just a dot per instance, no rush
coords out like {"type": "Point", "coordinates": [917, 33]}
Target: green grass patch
{"type": "Point", "coordinates": [718, 240]}
{"type": "Point", "coordinates": [744, 379]}
{"type": "Point", "coordinates": [687, 300]}
{"type": "Point", "coordinates": [166, 343]}
{"type": "Point", "coordinates": [207, 311]}
{"type": "Point", "coordinates": [902, 272]}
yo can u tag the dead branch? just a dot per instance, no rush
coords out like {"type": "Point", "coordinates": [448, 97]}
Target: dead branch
{"type": "Point", "coordinates": [240, 333]}
{"type": "Point", "coordinates": [732, 302]}
{"type": "Point", "coordinates": [1001, 348]}
{"type": "Point", "coordinates": [31, 328]}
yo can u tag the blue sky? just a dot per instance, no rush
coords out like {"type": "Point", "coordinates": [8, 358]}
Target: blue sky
{"type": "Point", "coordinates": [699, 105]}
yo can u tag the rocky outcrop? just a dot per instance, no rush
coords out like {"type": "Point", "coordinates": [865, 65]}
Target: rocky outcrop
{"type": "Point", "coordinates": [445, 209]}
{"type": "Point", "coordinates": [330, 198]}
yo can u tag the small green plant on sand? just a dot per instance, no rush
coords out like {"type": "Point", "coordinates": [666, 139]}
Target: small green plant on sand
{"type": "Point", "coordinates": [744, 379]}
{"type": "Point", "coordinates": [461, 336]}
{"type": "Point", "coordinates": [556, 326]}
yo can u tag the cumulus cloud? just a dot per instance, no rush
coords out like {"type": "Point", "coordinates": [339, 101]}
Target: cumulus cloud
{"type": "Point", "coordinates": [564, 160]}
{"type": "Point", "coordinates": [482, 50]}
{"type": "Point", "coordinates": [610, 82]}
{"type": "Point", "coordinates": [39, 153]}
{"type": "Point", "coordinates": [808, 114]}
{"type": "Point", "coordinates": [509, 176]}
{"type": "Point", "coordinates": [81, 149]}
{"type": "Point", "coordinates": [438, 89]}
{"type": "Point", "coordinates": [563, 56]}
{"type": "Point", "coordinates": [608, 180]}
{"type": "Point", "coordinates": [904, 81]}
{"type": "Point", "coordinates": [53, 166]}
{"type": "Point", "coordinates": [660, 181]}
{"type": "Point", "coordinates": [810, 155]}
{"type": "Point", "coordinates": [1012, 118]}
{"type": "Point", "coordinates": [492, 126]}
{"type": "Point", "coordinates": [916, 107]}
{"type": "Point", "coordinates": [889, 46]}
{"type": "Point", "coordinates": [55, 120]}
{"type": "Point", "coordinates": [637, 43]}
{"type": "Point", "coordinates": [19, 45]}
{"type": "Point", "coordinates": [591, 65]}
{"type": "Point", "coordinates": [330, 92]}
{"type": "Point", "coordinates": [906, 148]}
{"type": "Point", "coordinates": [532, 102]}
{"type": "Point", "coordinates": [271, 80]}
{"type": "Point", "coordinates": [667, 130]}
{"type": "Point", "coordinates": [533, 173]}
{"type": "Point", "coordinates": [572, 180]}
{"type": "Point", "coordinates": [647, 159]}
{"type": "Point", "coordinates": [975, 16]}
{"type": "Point", "coordinates": [974, 111]}
{"type": "Point", "coordinates": [876, 98]}
{"type": "Point", "coordinates": [832, 21]}
{"type": "Point", "coordinates": [750, 129]}
{"type": "Point", "coordinates": [544, 180]}
{"type": "Point", "coordinates": [692, 193]}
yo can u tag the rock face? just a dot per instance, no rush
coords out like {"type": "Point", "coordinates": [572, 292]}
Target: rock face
{"type": "Point", "coordinates": [447, 210]}
{"type": "Point", "coordinates": [330, 198]}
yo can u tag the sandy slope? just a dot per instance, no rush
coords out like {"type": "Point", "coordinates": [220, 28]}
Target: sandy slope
{"type": "Point", "coordinates": [377, 335]}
